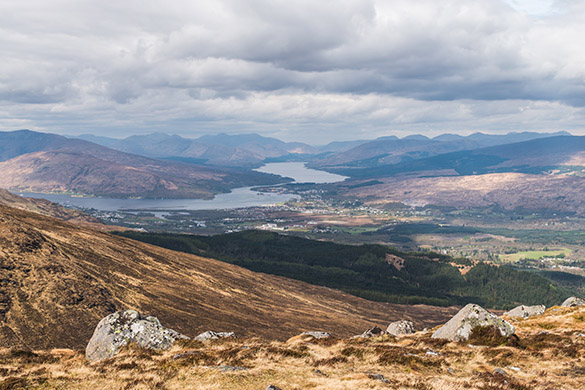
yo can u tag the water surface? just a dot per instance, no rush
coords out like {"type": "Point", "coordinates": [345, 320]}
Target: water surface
{"type": "Point", "coordinates": [237, 198]}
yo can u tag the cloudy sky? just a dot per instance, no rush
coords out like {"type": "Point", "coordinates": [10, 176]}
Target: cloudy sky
{"type": "Point", "coordinates": [311, 71]}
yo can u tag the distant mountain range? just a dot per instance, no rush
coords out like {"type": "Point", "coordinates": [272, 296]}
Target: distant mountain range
{"type": "Point", "coordinates": [557, 154]}
{"type": "Point", "coordinates": [392, 150]}
{"type": "Point", "coordinates": [39, 162]}
{"type": "Point", "coordinates": [247, 150]}
{"type": "Point", "coordinates": [252, 150]}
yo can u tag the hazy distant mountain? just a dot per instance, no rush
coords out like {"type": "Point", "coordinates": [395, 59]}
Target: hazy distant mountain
{"type": "Point", "coordinates": [392, 150]}
{"type": "Point", "coordinates": [555, 154]}
{"type": "Point", "coordinates": [38, 162]}
{"type": "Point", "coordinates": [244, 150]}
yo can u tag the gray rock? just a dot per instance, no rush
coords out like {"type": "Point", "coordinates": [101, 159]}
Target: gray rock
{"type": "Point", "coordinates": [459, 327]}
{"type": "Point", "coordinates": [573, 301]}
{"type": "Point", "coordinates": [211, 335]}
{"type": "Point", "coordinates": [378, 377]}
{"type": "Point", "coordinates": [500, 371]}
{"type": "Point", "coordinates": [401, 327]}
{"type": "Point", "coordinates": [125, 327]}
{"type": "Point", "coordinates": [317, 335]}
{"type": "Point", "coordinates": [272, 387]}
{"type": "Point", "coordinates": [526, 311]}
{"type": "Point", "coordinates": [372, 332]}
{"type": "Point", "coordinates": [232, 368]}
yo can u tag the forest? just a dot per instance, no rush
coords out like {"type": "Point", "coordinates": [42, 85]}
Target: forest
{"type": "Point", "coordinates": [364, 271]}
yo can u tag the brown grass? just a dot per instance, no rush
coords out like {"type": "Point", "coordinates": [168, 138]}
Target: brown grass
{"type": "Point", "coordinates": [541, 360]}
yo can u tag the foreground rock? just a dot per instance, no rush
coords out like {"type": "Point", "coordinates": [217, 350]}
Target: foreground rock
{"type": "Point", "coordinates": [459, 327]}
{"type": "Point", "coordinates": [526, 311]}
{"type": "Point", "coordinates": [124, 327]}
{"type": "Point", "coordinates": [372, 332]}
{"type": "Point", "coordinates": [317, 335]}
{"type": "Point", "coordinates": [573, 301]}
{"type": "Point", "coordinates": [211, 335]}
{"type": "Point", "coordinates": [400, 327]}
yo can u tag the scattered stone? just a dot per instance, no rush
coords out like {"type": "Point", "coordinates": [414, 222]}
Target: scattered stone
{"type": "Point", "coordinates": [272, 387]}
{"type": "Point", "coordinates": [372, 332]}
{"type": "Point", "coordinates": [232, 368]}
{"type": "Point", "coordinates": [211, 335]}
{"type": "Point", "coordinates": [378, 377]}
{"type": "Point", "coordinates": [573, 301]}
{"type": "Point", "coordinates": [317, 335]}
{"type": "Point", "coordinates": [459, 327]}
{"type": "Point", "coordinates": [400, 327]}
{"type": "Point", "coordinates": [526, 311]}
{"type": "Point", "coordinates": [124, 327]}
{"type": "Point", "coordinates": [580, 334]}
{"type": "Point", "coordinates": [319, 372]}
{"type": "Point", "coordinates": [430, 352]}
{"type": "Point", "coordinates": [517, 369]}
{"type": "Point", "coordinates": [500, 371]}
{"type": "Point", "coordinates": [184, 355]}
{"type": "Point", "coordinates": [450, 370]}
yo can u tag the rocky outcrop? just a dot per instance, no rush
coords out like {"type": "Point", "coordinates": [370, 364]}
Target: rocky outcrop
{"type": "Point", "coordinates": [211, 335]}
{"type": "Point", "coordinates": [372, 332]}
{"type": "Point", "coordinates": [526, 311]}
{"type": "Point", "coordinates": [317, 335]}
{"type": "Point", "coordinates": [124, 327]}
{"type": "Point", "coordinates": [573, 301]}
{"type": "Point", "coordinates": [460, 327]}
{"type": "Point", "coordinates": [400, 327]}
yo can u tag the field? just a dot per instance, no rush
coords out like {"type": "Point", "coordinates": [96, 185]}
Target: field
{"type": "Point", "coordinates": [536, 255]}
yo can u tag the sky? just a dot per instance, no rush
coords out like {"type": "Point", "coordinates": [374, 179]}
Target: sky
{"type": "Point", "coordinates": [310, 71]}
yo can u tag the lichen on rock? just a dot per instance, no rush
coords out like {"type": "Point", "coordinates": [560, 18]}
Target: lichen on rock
{"type": "Point", "coordinates": [460, 327]}
{"type": "Point", "coordinates": [124, 327]}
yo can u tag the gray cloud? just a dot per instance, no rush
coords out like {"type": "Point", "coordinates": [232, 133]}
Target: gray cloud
{"type": "Point", "coordinates": [345, 69]}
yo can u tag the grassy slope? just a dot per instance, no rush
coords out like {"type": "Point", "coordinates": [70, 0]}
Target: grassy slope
{"type": "Point", "coordinates": [537, 361]}
{"type": "Point", "coordinates": [57, 280]}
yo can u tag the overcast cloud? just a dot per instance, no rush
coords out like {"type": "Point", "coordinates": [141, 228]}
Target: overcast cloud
{"type": "Point", "coordinates": [310, 71]}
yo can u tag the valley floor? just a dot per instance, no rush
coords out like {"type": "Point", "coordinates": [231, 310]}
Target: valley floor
{"type": "Point", "coordinates": [548, 354]}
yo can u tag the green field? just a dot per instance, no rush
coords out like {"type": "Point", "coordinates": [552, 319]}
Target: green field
{"type": "Point", "coordinates": [535, 255]}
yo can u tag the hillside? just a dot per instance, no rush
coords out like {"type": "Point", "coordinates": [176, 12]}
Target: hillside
{"type": "Point", "coordinates": [545, 355]}
{"type": "Point", "coordinates": [510, 191]}
{"type": "Point", "coordinates": [50, 209]}
{"type": "Point", "coordinates": [38, 162]}
{"type": "Point", "coordinates": [57, 280]}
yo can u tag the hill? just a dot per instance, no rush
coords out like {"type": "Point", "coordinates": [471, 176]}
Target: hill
{"type": "Point", "coordinates": [374, 272]}
{"type": "Point", "coordinates": [38, 162]}
{"type": "Point", "coordinates": [50, 209]}
{"type": "Point", "coordinates": [57, 280]}
{"type": "Point", "coordinates": [509, 191]}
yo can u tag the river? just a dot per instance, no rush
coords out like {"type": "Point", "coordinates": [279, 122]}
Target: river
{"type": "Point", "coordinates": [238, 197]}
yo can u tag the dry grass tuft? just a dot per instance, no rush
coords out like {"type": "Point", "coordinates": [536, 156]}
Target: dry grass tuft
{"type": "Point", "coordinates": [541, 360]}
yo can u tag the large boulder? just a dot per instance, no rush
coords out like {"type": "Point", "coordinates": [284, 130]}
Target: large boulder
{"type": "Point", "coordinates": [401, 327]}
{"type": "Point", "coordinates": [526, 311]}
{"type": "Point", "coordinates": [125, 327]}
{"type": "Point", "coordinates": [573, 301]}
{"type": "Point", "coordinates": [460, 327]}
